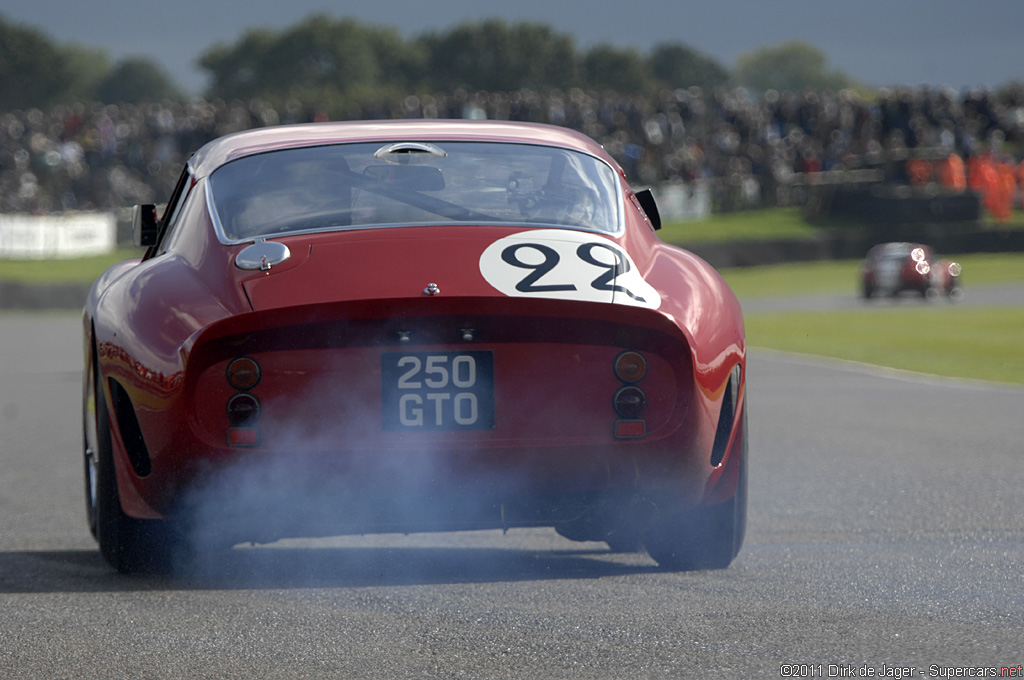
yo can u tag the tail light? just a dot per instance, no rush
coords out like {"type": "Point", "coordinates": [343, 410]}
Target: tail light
{"type": "Point", "coordinates": [629, 400]}
{"type": "Point", "coordinates": [243, 373]}
{"type": "Point", "coordinates": [243, 408]}
{"type": "Point", "coordinates": [630, 367]}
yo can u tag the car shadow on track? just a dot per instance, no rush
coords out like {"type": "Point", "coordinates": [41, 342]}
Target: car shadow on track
{"type": "Point", "coordinates": [283, 568]}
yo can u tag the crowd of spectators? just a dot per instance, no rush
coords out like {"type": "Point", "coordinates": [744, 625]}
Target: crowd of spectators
{"type": "Point", "coordinates": [753, 151]}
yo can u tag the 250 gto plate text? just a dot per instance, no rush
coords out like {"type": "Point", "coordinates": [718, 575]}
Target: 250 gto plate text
{"type": "Point", "coordinates": [438, 390]}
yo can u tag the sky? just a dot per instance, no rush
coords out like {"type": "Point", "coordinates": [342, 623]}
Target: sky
{"type": "Point", "coordinates": [957, 43]}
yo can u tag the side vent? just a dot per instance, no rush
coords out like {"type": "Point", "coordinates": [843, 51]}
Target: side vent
{"type": "Point", "coordinates": [726, 416]}
{"type": "Point", "coordinates": [128, 427]}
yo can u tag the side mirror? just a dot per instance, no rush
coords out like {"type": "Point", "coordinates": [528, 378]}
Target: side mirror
{"type": "Point", "coordinates": [144, 225]}
{"type": "Point", "coordinates": [646, 199]}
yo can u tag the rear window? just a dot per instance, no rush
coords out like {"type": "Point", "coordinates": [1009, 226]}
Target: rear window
{"type": "Point", "coordinates": [349, 186]}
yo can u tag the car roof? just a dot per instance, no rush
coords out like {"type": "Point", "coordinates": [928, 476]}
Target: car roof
{"type": "Point", "coordinates": [898, 247]}
{"type": "Point", "coordinates": [261, 140]}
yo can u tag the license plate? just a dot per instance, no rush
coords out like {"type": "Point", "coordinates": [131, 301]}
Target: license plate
{"type": "Point", "coordinates": [438, 390]}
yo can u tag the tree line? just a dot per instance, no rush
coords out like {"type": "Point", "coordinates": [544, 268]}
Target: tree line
{"type": "Point", "coordinates": [331, 61]}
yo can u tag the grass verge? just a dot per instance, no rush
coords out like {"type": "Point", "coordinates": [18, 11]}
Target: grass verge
{"type": "Point", "coordinates": [772, 223]}
{"type": "Point", "coordinates": [979, 343]}
{"type": "Point", "coordinates": [75, 270]}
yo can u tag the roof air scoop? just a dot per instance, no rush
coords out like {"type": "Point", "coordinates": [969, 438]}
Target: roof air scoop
{"type": "Point", "coordinates": [409, 152]}
{"type": "Point", "coordinates": [262, 255]}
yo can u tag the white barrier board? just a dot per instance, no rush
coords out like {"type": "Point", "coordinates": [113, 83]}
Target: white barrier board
{"type": "Point", "coordinates": [683, 201]}
{"type": "Point", "coordinates": [37, 237]}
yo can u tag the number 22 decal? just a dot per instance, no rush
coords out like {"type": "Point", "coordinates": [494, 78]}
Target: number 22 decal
{"type": "Point", "coordinates": [565, 264]}
{"type": "Point", "coordinates": [551, 258]}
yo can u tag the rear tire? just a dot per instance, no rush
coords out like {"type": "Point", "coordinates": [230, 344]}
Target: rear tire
{"type": "Point", "coordinates": [707, 537]}
{"type": "Point", "coordinates": [90, 445]}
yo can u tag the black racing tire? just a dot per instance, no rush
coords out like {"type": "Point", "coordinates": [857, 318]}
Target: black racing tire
{"type": "Point", "coordinates": [89, 444]}
{"type": "Point", "coordinates": [704, 538]}
{"type": "Point", "coordinates": [129, 545]}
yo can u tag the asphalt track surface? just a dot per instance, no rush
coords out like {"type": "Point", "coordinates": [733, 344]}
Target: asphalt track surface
{"type": "Point", "coordinates": [885, 532]}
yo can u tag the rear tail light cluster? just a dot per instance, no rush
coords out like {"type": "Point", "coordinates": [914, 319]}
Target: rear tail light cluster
{"type": "Point", "coordinates": [243, 408]}
{"type": "Point", "coordinates": [629, 400]}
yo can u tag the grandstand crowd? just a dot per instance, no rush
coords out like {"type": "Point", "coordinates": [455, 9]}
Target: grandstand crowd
{"type": "Point", "coordinates": [753, 151]}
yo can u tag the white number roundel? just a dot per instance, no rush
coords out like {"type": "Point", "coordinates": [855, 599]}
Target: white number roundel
{"type": "Point", "coordinates": [565, 264]}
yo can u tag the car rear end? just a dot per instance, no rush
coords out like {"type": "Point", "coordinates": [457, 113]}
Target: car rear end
{"type": "Point", "coordinates": [428, 414]}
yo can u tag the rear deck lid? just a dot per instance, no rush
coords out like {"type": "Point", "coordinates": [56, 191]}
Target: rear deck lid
{"type": "Point", "coordinates": [412, 262]}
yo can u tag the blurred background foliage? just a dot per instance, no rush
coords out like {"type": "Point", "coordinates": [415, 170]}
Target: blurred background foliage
{"type": "Point", "coordinates": [329, 60]}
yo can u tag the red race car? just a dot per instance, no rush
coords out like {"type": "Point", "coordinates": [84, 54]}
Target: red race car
{"type": "Point", "coordinates": [411, 326]}
{"type": "Point", "coordinates": [892, 268]}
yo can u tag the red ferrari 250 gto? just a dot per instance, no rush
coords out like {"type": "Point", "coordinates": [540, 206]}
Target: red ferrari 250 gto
{"type": "Point", "coordinates": [412, 326]}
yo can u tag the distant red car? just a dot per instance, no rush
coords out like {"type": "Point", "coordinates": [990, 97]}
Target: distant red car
{"type": "Point", "coordinates": [411, 326]}
{"type": "Point", "coordinates": [892, 268]}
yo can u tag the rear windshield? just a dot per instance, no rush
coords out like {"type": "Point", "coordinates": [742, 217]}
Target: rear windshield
{"type": "Point", "coordinates": [367, 185]}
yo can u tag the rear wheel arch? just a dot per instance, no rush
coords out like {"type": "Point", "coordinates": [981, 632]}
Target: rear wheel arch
{"type": "Point", "coordinates": [127, 544]}
{"type": "Point", "coordinates": [706, 537]}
